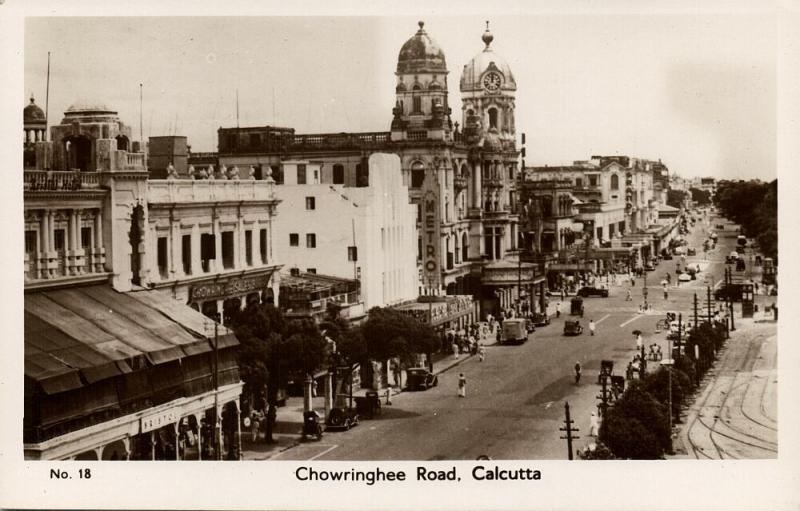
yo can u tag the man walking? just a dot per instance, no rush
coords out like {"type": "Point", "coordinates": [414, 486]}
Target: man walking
{"type": "Point", "coordinates": [481, 352]}
{"type": "Point", "coordinates": [577, 372]}
{"type": "Point", "coordinates": [462, 385]}
{"type": "Point", "coordinates": [591, 326]}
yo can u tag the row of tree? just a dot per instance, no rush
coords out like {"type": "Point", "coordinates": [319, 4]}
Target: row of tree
{"type": "Point", "coordinates": [754, 206]}
{"type": "Point", "coordinates": [637, 426]}
{"type": "Point", "coordinates": [274, 350]}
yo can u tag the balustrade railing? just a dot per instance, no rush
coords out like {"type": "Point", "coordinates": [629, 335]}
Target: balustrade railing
{"type": "Point", "coordinates": [46, 180]}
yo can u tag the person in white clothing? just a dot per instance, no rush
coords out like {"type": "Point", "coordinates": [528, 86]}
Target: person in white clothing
{"type": "Point", "coordinates": [591, 326]}
{"type": "Point", "coordinates": [462, 385]}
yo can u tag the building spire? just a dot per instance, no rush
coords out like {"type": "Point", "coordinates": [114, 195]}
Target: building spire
{"type": "Point", "coordinates": [487, 37]}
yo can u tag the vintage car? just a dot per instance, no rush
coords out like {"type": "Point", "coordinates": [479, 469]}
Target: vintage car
{"type": "Point", "coordinates": [691, 252]}
{"type": "Point", "coordinates": [576, 307]}
{"type": "Point", "coordinates": [515, 331]}
{"type": "Point", "coordinates": [540, 319]}
{"type": "Point", "coordinates": [419, 378]}
{"type": "Point", "coordinates": [572, 328]}
{"type": "Point", "coordinates": [593, 291]}
{"type": "Point", "coordinates": [342, 417]}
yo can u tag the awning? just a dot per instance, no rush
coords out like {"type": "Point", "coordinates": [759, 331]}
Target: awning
{"type": "Point", "coordinates": [92, 331]}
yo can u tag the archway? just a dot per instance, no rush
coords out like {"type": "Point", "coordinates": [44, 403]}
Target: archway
{"type": "Point", "coordinates": [417, 174]}
{"type": "Point", "coordinates": [115, 451]}
{"type": "Point", "coordinates": [78, 153]}
{"type": "Point", "coordinates": [86, 456]}
{"type": "Point", "coordinates": [122, 143]}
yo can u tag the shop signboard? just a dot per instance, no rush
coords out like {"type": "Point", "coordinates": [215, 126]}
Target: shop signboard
{"type": "Point", "coordinates": [159, 420]}
{"type": "Point", "coordinates": [431, 230]}
{"type": "Point", "coordinates": [229, 288]}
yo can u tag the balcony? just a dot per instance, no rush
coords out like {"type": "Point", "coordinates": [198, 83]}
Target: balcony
{"type": "Point", "coordinates": [53, 180]}
{"type": "Point", "coordinates": [493, 182]}
{"type": "Point", "coordinates": [134, 161]}
{"type": "Point", "coordinates": [459, 182]}
{"type": "Point", "coordinates": [590, 207]}
{"type": "Point", "coordinates": [163, 191]}
{"type": "Point", "coordinates": [328, 141]}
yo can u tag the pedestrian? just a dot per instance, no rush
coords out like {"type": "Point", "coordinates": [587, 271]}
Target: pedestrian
{"type": "Point", "coordinates": [313, 388]}
{"type": "Point", "coordinates": [498, 337]}
{"type": "Point", "coordinates": [455, 350]}
{"type": "Point", "coordinates": [558, 309]}
{"type": "Point", "coordinates": [591, 326]}
{"type": "Point", "coordinates": [639, 342]}
{"type": "Point", "coordinates": [462, 385]}
{"type": "Point", "coordinates": [593, 425]}
{"type": "Point", "coordinates": [628, 297]}
{"type": "Point", "coordinates": [481, 353]}
{"type": "Point", "coordinates": [577, 372]}
{"type": "Point", "coordinates": [666, 294]}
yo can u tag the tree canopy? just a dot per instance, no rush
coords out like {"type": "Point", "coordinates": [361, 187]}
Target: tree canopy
{"type": "Point", "coordinates": [675, 198]}
{"type": "Point", "coordinates": [389, 333]}
{"type": "Point", "coordinates": [754, 206]}
{"type": "Point", "coordinates": [700, 197]}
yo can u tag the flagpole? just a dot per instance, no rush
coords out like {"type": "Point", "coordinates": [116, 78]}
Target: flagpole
{"type": "Point", "coordinates": [47, 98]}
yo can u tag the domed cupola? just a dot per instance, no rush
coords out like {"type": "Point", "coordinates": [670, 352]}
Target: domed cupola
{"type": "Point", "coordinates": [487, 70]}
{"type": "Point", "coordinates": [32, 114]}
{"type": "Point", "coordinates": [421, 54]}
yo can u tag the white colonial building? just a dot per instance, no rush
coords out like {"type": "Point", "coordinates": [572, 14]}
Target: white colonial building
{"type": "Point", "coordinates": [361, 233]}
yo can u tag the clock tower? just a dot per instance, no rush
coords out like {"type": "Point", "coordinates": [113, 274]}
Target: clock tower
{"type": "Point", "coordinates": [487, 94]}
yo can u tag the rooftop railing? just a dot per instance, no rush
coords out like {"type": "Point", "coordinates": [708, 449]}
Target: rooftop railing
{"type": "Point", "coordinates": [47, 180]}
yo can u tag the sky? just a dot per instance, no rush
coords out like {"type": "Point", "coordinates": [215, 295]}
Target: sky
{"type": "Point", "coordinates": [696, 91]}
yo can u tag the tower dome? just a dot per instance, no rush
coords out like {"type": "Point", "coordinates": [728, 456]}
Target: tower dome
{"type": "Point", "coordinates": [32, 114]}
{"type": "Point", "coordinates": [421, 54]}
{"type": "Point", "coordinates": [485, 61]}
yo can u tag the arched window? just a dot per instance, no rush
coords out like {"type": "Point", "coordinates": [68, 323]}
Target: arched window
{"type": "Point", "coordinates": [492, 118]}
{"type": "Point", "coordinates": [122, 143]}
{"type": "Point", "coordinates": [547, 206]}
{"type": "Point", "coordinates": [417, 104]}
{"type": "Point", "coordinates": [417, 174]}
{"type": "Point", "coordinates": [614, 182]}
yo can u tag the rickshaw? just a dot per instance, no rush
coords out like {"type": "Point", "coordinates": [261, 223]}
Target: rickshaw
{"type": "Point", "coordinates": [606, 368]}
{"type": "Point", "coordinates": [572, 327]}
{"type": "Point", "coordinates": [576, 307]}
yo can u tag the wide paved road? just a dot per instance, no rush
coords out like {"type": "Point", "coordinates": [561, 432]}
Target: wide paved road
{"type": "Point", "coordinates": [515, 398]}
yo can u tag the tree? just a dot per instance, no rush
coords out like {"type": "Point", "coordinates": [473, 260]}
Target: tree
{"type": "Point", "coordinates": [657, 385]}
{"type": "Point", "coordinates": [675, 198]}
{"type": "Point", "coordinates": [700, 197]}
{"type": "Point", "coordinates": [637, 426]}
{"type": "Point", "coordinates": [390, 333]}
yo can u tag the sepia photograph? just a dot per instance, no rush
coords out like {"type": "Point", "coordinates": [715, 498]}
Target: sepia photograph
{"type": "Point", "coordinates": [487, 238]}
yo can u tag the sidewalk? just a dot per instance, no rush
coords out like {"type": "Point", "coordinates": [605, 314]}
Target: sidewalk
{"type": "Point", "coordinates": [289, 418]}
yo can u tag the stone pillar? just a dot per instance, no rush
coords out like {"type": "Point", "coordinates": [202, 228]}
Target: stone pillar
{"type": "Point", "coordinates": [99, 250]}
{"type": "Point", "coordinates": [176, 245]}
{"type": "Point", "coordinates": [80, 250]}
{"type": "Point", "coordinates": [217, 245]}
{"type": "Point", "coordinates": [176, 428]}
{"type": "Point", "coordinates": [239, 429]}
{"type": "Point", "coordinates": [197, 418]}
{"type": "Point", "coordinates": [476, 184]}
{"type": "Point", "coordinates": [239, 246]}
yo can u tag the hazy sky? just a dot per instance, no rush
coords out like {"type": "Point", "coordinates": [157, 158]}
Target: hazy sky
{"type": "Point", "coordinates": [696, 91]}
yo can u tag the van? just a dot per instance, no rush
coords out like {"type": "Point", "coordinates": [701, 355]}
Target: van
{"type": "Point", "coordinates": [515, 331]}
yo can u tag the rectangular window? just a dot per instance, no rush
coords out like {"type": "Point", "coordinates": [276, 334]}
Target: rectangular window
{"type": "Point", "coordinates": [592, 180]}
{"type": "Point", "coordinates": [59, 238]}
{"type": "Point", "coordinates": [311, 240]}
{"type": "Point", "coordinates": [310, 203]}
{"type": "Point", "coordinates": [338, 174]}
{"type": "Point", "coordinates": [294, 240]}
{"type": "Point", "coordinates": [579, 183]}
{"type": "Point", "coordinates": [30, 242]}
{"type": "Point", "coordinates": [419, 212]}
{"type": "Point", "coordinates": [419, 248]}
{"type": "Point", "coordinates": [162, 256]}
{"type": "Point", "coordinates": [311, 270]}
{"type": "Point", "coordinates": [227, 249]}
{"type": "Point", "coordinates": [86, 237]}
{"type": "Point", "coordinates": [262, 241]}
{"type": "Point", "coordinates": [316, 176]}
{"type": "Point", "coordinates": [186, 253]}
{"type": "Point", "coordinates": [301, 174]}
{"type": "Point", "coordinates": [208, 250]}
{"type": "Point", "coordinates": [352, 253]}
{"type": "Point", "coordinates": [248, 247]}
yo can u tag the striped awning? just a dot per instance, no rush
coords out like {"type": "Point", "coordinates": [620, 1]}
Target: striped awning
{"type": "Point", "coordinates": [87, 334]}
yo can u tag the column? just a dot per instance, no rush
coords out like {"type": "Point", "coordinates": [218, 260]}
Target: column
{"type": "Point", "coordinates": [44, 244]}
{"type": "Point", "coordinates": [72, 243]}
{"type": "Point", "coordinates": [176, 261]}
{"type": "Point", "coordinates": [217, 246]}
{"type": "Point", "coordinates": [239, 246]}
{"type": "Point", "coordinates": [476, 184]}
{"type": "Point", "coordinates": [197, 418]}
{"type": "Point", "coordinates": [99, 251]}
{"type": "Point", "coordinates": [197, 267]}
{"type": "Point", "coordinates": [239, 429]}
{"type": "Point", "coordinates": [80, 261]}
{"type": "Point", "coordinates": [176, 428]}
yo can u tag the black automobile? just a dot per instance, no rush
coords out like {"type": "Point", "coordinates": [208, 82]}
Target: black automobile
{"type": "Point", "coordinates": [572, 328]}
{"type": "Point", "coordinates": [667, 257]}
{"type": "Point", "coordinates": [540, 318]}
{"type": "Point", "coordinates": [342, 417]}
{"type": "Point", "coordinates": [593, 291]}
{"type": "Point", "coordinates": [649, 267]}
{"type": "Point", "coordinates": [731, 292]}
{"type": "Point", "coordinates": [419, 378]}
{"type": "Point", "coordinates": [691, 252]}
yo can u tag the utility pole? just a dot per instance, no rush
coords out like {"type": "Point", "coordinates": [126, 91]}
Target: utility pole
{"type": "Point", "coordinates": [695, 310]}
{"type": "Point", "coordinates": [730, 298]}
{"type": "Point", "coordinates": [47, 100]}
{"type": "Point", "coordinates": [708, 299]}
{"type": "Point", "coordinates": [569, 429]}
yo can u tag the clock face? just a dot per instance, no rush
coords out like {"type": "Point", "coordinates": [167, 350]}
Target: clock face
{"type": "Point", "coordinates": [492, 81]}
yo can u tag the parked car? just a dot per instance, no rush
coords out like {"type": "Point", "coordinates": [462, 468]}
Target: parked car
{"type": "Point", "coordinates": [515, 330]}
{"type": "Point", "coordinates": [576, 307]}
{"type": "Point", "coordinates": [593, 291]}
{"type": "Point", "coordinates": [540, 319]}
{"type": "Point", "coordinates": [342, 417]}
{"type": "Point", "coordinates": [667, 257]}
{"type": "Point", "coordinates": [691, 252]}
{"type": "Point", "coordinates": [649, 267]}
{"type": "Point", "coordinates": [684, 277]}
{"type": "Point", "coordinates": [419, 378]}
{"type": "Point", "coordinates": [572, 328]}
